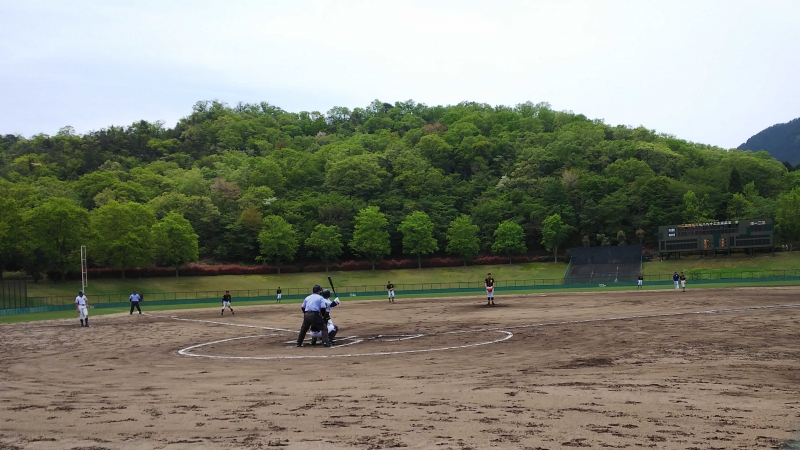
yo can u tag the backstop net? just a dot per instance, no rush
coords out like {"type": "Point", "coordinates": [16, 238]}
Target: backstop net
{"type": "Point", "coordinates": [601, 265]}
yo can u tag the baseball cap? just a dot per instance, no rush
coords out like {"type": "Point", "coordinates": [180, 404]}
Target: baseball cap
{"type": "Point", "coordinates": [316, 289]}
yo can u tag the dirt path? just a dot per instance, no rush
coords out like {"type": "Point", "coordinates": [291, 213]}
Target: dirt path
{"type": "Point", "coordinates": [536, 372]}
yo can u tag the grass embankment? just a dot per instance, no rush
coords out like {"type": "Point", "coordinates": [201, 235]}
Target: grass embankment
{"type": "Point", "coordinates": [738, 263]}
{"type": "Point", "coordinates": [378, 278]}
{"type": "Point", "coordinates": [529, 271]}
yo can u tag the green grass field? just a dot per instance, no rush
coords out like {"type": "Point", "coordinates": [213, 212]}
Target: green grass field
{"type": "Point", "coordinates": [478, 296]}
{"type": "Point", "coordinates": [740, 262]}
{"type": "Point", "coordinates": [303, 280]}
{"type": "Point", "coordinates": [529, 271]}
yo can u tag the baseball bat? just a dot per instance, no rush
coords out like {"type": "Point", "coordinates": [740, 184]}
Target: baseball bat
{"type": "Point", "coordinates": [332, 288]}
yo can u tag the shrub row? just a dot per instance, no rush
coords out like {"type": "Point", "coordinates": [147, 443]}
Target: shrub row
{"type": "Point", "coordinates": [197, 270]}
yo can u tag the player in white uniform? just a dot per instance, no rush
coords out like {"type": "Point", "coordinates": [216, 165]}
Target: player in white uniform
{"type": "Point", "coordinates": [82, 306]}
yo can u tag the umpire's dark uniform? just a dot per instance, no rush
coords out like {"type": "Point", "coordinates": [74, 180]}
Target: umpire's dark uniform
{"type": "Point", "coordinates": [312, 315]}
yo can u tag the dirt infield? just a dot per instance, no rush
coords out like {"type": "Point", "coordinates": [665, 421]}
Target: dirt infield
{"type": "Point", "coordinates": [710, 369]}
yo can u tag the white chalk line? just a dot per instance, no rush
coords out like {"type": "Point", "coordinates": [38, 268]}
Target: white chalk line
{"type": "Point", "coordinates": [508, 335]}
{"type": "Point", "coordinates": [187, 351]}
{"type": "Point", "coordinates": [236, 325]}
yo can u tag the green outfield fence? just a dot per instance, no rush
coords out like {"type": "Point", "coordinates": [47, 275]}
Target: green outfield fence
{"type": "Point", "coordinates": [14, 303]}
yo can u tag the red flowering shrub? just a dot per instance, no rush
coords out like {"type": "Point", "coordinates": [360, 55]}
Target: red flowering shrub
{"type": "Point", "coordinates": [397, 264]}
{"type": "Point", "coordinates": [442, 262]}
{"type": "Point", "coordinates": [497, 259]}
{"type": "Point", "coordinates": [315, 268]}
{"type": "Point", "coordinates": [353, 265]}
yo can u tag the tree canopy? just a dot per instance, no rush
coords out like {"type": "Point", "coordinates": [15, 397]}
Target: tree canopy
{"type": "Point", "coordinates": [226, 168]}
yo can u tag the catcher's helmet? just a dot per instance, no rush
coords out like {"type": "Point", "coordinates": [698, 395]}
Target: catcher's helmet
{"type": "Point", "coordinates": [326, 293]}
{"type": "Point", "coordinates": [316, 289]}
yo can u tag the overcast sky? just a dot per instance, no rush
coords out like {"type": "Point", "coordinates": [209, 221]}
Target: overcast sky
{"type": "Point", "coordinates": [714, 72]}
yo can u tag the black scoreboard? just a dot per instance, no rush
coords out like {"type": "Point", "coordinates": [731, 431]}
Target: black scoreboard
{"type": "Point", "coordinates": [725, 235]}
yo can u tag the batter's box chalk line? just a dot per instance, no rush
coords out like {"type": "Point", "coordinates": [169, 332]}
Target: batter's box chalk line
{"type": "Point", "coordinates": [506, 335]}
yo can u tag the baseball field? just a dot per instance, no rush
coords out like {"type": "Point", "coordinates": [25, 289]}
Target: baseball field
{"type": "Point", "coordinates": [702, 369]}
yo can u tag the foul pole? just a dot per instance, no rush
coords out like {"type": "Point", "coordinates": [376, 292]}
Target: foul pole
{"type": "Point", "coordinates": [84, 270]}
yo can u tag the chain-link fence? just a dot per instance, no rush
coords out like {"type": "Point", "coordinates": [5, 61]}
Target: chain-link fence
{"type": "Point", "coordinates": [377, 289]}
{"type": "Point", "coordinates": [13, 294]}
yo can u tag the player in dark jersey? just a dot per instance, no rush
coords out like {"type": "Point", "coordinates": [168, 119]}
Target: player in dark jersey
{"type": "Point", "coordinates": [639, 281]}
{"type": "Point", "coordinates": [280, 294]}
{"type": "Point", "coordinates": [488, 283]}
{"type": "Point", "coordinates": [683, 281]}
{"type": "Point", "coordinates": [390, 290]}
{"type": "Point", "coordinates": [226, 302]}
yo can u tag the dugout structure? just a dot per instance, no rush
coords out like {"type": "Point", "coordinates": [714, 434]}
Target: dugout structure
{"type": "Point", "coordinates": [603, 265]}
{"type": "Point", "coordinates": [712, 236]}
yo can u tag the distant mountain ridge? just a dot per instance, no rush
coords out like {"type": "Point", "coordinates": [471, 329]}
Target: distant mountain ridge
{"type": "Point", "coordinates": [782, 141]}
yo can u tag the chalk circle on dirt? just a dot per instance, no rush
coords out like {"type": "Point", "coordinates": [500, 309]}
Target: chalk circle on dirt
{"type": "Point", "coordinates": [353, 346]}
{"type": "Point", "coordinates": [384, 339]}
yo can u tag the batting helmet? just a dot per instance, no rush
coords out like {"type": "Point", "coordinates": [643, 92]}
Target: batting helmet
{"type": "Point", "coordinates": [326, 293]}
{"type": "Point", "coordinates": [316, 289]}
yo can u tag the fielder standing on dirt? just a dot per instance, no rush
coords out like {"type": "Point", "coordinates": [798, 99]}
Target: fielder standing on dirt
{"type": "Point", "coordinates": [390, 290]}
{"type": "Point", "coordinates": [82, 306]}
{"type": "Point", "coordinates": [488, 283]}
{"type": "Point", "coordinates": [226, 302]}
{"type": "Point", "coordinates": [683, 281]}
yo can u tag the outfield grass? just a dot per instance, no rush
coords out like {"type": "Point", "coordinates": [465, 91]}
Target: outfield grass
{"type": "Point", "coordinates": [740, 262]}
{"type": "Point", "coordinates": [478, 296]}
{"type": "Point", "coordinates": [378, 278]}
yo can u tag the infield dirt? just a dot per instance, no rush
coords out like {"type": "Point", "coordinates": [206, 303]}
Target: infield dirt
{"type": "Point", "coordinates": [519, 375]}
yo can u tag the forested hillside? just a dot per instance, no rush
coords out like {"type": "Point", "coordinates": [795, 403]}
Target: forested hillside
{"type": "Point", "coordinates": [255, 183]}
{"type": "Point", "coordinates": [782, 141]}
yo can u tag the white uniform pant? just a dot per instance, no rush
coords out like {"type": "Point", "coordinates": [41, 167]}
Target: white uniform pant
{"type": "Point", "coordinates": [639, 282]}
{"type": "Point", "coordinates": [226, 305]}
{"type": "Point", "coordinates": [490, 294]}
{"type": "Point", "coordinates": [279, 296]}
{"type": "Point", "coordinates": [83, 312]}
{"type": "Point", "coordinates": [391, 293]}
{"type": "Point", "coordinates": [683, 284]}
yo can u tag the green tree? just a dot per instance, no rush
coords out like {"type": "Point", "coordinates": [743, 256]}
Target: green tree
{"type": "Point", "coordinates": [554, 232]}
{"type": "Point", "coordinates": [739, 207]}
{"type": "Point", "coordinates": [418, 238]}
{"type": "Point", "coordinates": [325, 242]}
{"type": "Point", "coordinates": [277, 240]}
{"type": "Point", "coordinates": [586, 241]}
{"type": "Point", "coordinates": [122, 234]}
{"type": "Point", "coordinates": [640, 235]}
{"type": "Point", "coordinates": [370, 238]}
{"type": "Point", "coordinates": [462, 238]}
{"type": "Point", "coordinates": [603, 240]}
{"type": "Point", "coordinates": [691, 208]}
{"type": "Point", "coordinates": [787, 217]}
{"type": "Point", "coordinates": [58, 227]}
{"type": "Point", "coordinates": [621, 238]}
{"type": "Point", "coordinates": [174, 241]}
{"type": "Point", "coordinates": [509, 238]}
{"type": "Point", "coordinates": [735, 185]}
{"type": "Point", "coordinates": [14, 244]}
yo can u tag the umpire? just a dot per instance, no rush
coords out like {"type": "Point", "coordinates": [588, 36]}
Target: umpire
{"type": "Point", "coordinates": [312, 307]}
